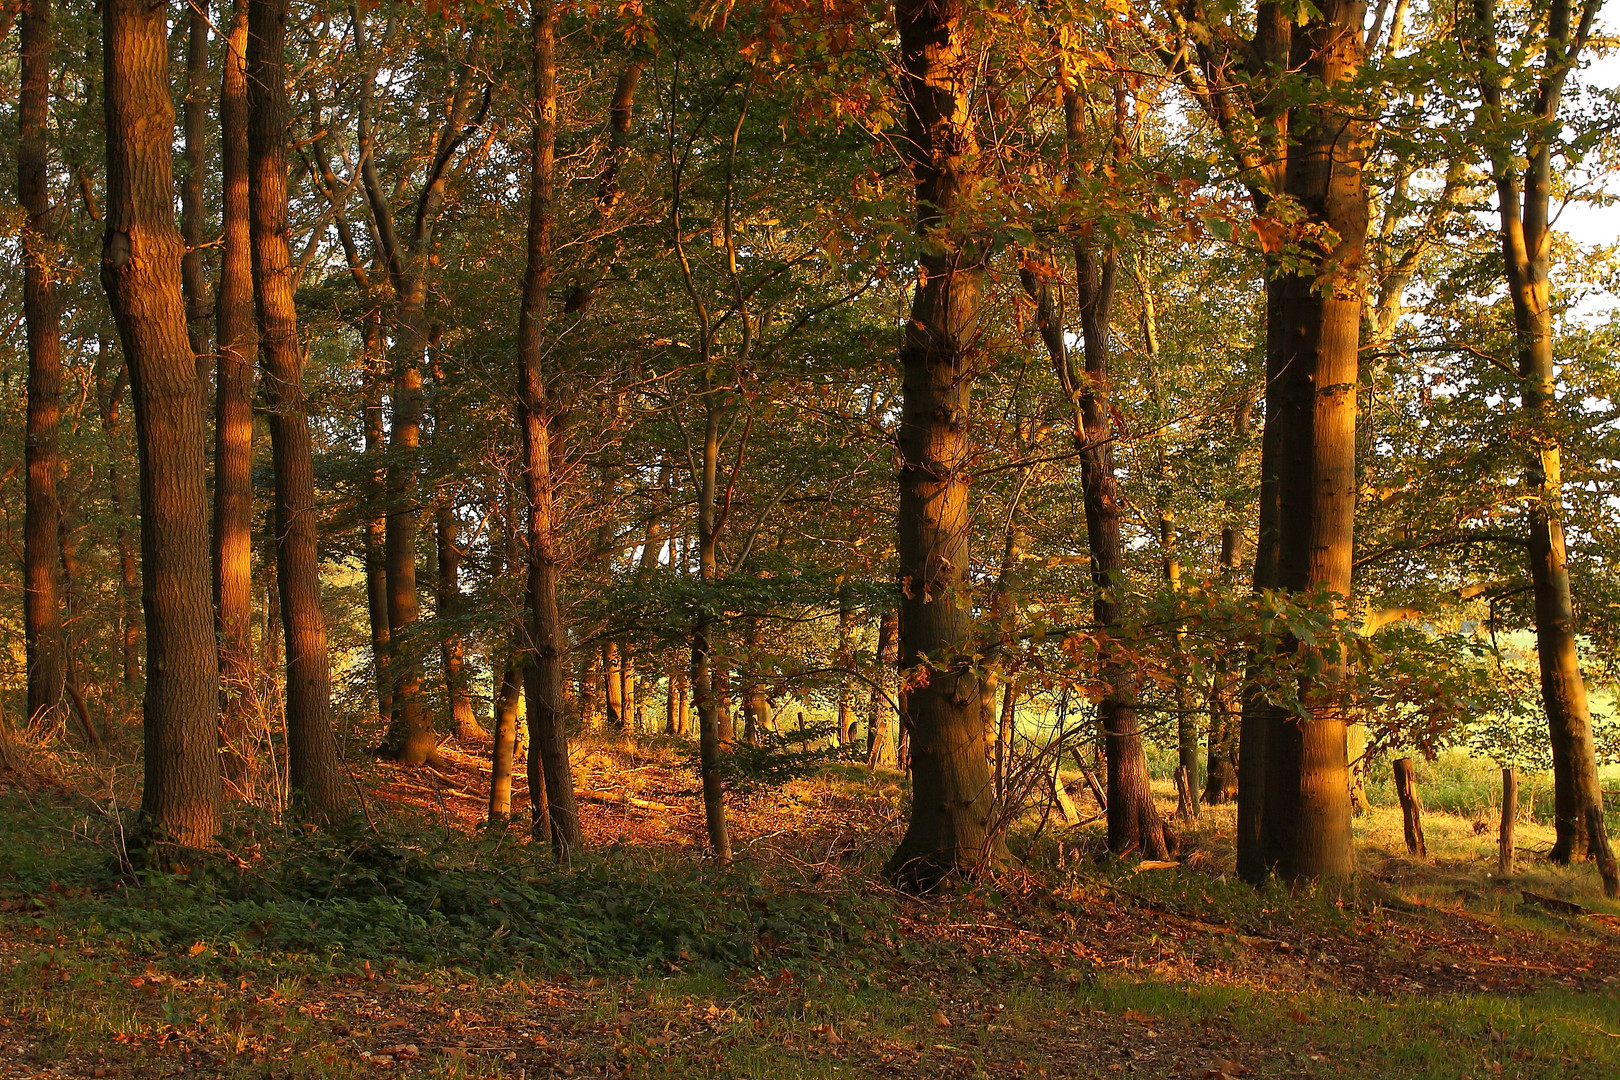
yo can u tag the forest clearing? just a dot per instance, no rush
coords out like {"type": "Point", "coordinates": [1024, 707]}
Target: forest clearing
{"type": "Point", "coordinates": [764, 538]}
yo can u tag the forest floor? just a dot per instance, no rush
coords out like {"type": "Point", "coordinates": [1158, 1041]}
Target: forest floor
{"type": "Point", "coordinates": [416, 944]}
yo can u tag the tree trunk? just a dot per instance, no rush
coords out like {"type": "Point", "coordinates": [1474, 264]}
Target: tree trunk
{"type": "Point", "coordinates": [706, 691]}
{"type": "Point", "coordinates": [140, 270]}
{"type": "Point", "coordinates": [846, 667]}
{"type": "Point", "coordinates": [194, 126]}
{"type": "Point", "coordinates": [548, 737]}
{"type": "Point", "coordinates": [374, 376]}
{"type": "Point", "coordinates": [1510, 816]}
{"type": "Point", "coordinates": [612, 688]}
{"type": "Point", "coordinates": [1301, 829]}
{"type": "Point", "coordinates": [589, 681]}
{"type": "Point", "coordinates": [110, 393]}
{"type": "Point", "coordinates": [505, 743]}
{"type": "Point", "coordinates": [42, 584]}
{"type": "Point", "coordinates": [882, 734]}
{"type": "Point", "coordinates": [236, 347]}
{"type": "Point", "coordinates": [1221, 776]}
{"type": "Point", "coordinates": [313, 775]}
{"type": "Point", "coordinates": [953, 795]}
{"type": "Point", "coordinates": [1411, 807]}
{"type": "Point", "coordinates": [452, 650]}
{"type": "Point", "coordinates": [1523, 206]}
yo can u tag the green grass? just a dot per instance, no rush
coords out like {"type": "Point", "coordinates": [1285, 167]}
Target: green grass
{"type": "Point", "coordinates": [332, 947]}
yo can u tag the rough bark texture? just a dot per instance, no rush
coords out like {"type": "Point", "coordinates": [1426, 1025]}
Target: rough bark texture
{"type": "Point", "coordinates": [140, 270]}
{"type": "Point", "coordinates": [952, 790]}
{"type": "Point", "coordinates": [1523, 200]}
{"type": "Point", "coordinates": [236, 347]}
{"type": "Point", "coordinates": [1308, 465]}
{"type": "Point", "coordinates": [42, 584]}
{"type": "Point", "coordinates": [313, 776]}
{"type": "Point", "coordinates": [194, 126]}
{"type": "Point", "coordinates": [548, 738]}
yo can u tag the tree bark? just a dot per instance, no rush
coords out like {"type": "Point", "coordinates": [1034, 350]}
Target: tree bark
{"type": "Point", "coordinates": [110, 394]}
{"type": "Point", "coordinates": [452, 650]}
{"type": "Point", "coordinates": [313, 776]}
{"type": "Point", "coordinates": [194, 126]}
{"type": "Point", "coordinates": [1411, 807]}
{"type": "Point", "coordinates": [1510, 816]}
{"type": "Point", "coordinates": [236, 346]}
{"type": "Point", "coordinates": [953, 794]}
{"type": "Point", "coordinates": [42, 583]}
{"type": "Point", "coordinates": [140, 270]}
{"type": "Point", "coordinates": [706, 694]}
{"type": "Point", "coordinates": [882, 734]}
{"type": "Point", "coordinates": [1523, 201]}
{"type": "Point", "coordinates": [1308, 468]}
{"type": "Point", "coordinates": [548, 737]}
{"type": "Point", "coordinates": [504, 750]}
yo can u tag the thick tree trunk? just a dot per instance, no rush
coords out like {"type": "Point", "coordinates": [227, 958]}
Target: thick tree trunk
{"type": "Point", "coordinates": [42, 585]}
{"type": "Point", "coordinates": [1308, 463]}
{"type": "Point", "coordinates": [953, 795]}
{"type": "Point", "coordinates": [882, 734]}
{"type": "Point", "coordinates": [194, 126]}
{"type": "Point", "coordinates": [313, 775]}
{"type": "Point", "coordinates": [140, 270]}
{"type": "Point", "coordinates": [236, 347]}
{"type": "Point", "coordinates": [548, 737]}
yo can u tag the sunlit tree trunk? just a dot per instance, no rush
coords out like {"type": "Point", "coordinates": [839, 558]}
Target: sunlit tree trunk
{"type": "Point", "coordinates": [1523, 200]}
{"type": "Point", "coordinates": [313, 776]}
{"type": "Point", "coordinates": [882, 736]}
{"type": "Point", "coordinates": [42, 583]}
{"type": "Point", "coordinates": [548, 739]}
{"type": "Point", "coordinates": [952, 794]}
{"type": "Point", "coordinates": [1312, 340]}
{"type": "Point", "coordinates": [140, 269]}
{"type": "Point", "coordinates": [236, 346]}
{"type": "Point", "coordinates": [194, 127]}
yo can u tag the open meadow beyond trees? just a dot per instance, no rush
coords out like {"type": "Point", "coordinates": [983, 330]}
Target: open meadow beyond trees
{"type": "Point", "coordinates": [742, 539]}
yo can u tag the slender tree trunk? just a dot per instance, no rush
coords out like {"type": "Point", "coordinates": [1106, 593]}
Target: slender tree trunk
{"type": "Point", "coordinates": [42, 585]}
{"type": "Point", "coordinates": [70, 646]}
{"type": "Point", "coordinates": [1411, 807]}
{"type": "Point", "coordinates": [846, 667]}
{"type": "Point", "coordinates": [110, 393]}
{"type": "Point", "coordinates": [194, 126]}
{"type": "Point", "coordinates": [507, 701]}
{"type": "Point", "coordinates": [140, 270]}
{"type": "Point", "coordinates": [236, 347]}
{"type": "Point", "coordinates": [1221, 776]}
{"type": "Point", "coordinates": [452, 650]}
{"type": "Point", "coordinates": [1523, 200]}
{"type": "Point", "coordinates": [375, 376]}
{"type": "Point", "coordinates": [952, 791]}
{"type": "Point", "coordinates": [705, 693]}
{"type": "Point", "coordinates": [548, 738]}
{"type": "Point", "coordinates": [589, 684]}
{"type": "Point", "coordinates": [313, 775]}
{"type": "Point", "coordinates": [1308, 464]}
{"type": "Point", "coordinates": [756, 706]}
{"type": "Point", "coordinates": [1510, 816]}
{"type": "Point", "coordinates": [880, 743]}
{"type": "Point", "coordinates": [612, 688]}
